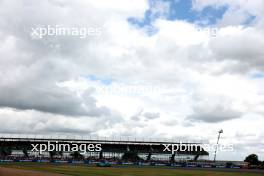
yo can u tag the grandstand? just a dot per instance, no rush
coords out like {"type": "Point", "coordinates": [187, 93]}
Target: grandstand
{"type": "Point", "coordinates": [20, 148]}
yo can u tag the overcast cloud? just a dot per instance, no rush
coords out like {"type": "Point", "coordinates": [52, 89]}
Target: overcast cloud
{"type": "Point", "coordinates": [158, 77]}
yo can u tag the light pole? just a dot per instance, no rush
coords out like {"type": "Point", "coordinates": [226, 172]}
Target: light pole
{"type": "Point", "coordinates": [219, 133]}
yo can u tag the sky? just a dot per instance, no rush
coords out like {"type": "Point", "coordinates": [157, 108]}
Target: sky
{"type": "Point", "coordinates": [156, 69]}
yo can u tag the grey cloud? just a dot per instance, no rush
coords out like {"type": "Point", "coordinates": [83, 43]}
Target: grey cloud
{"type": "Point", "coordinates": [30, 69]}
{"type": "Point", "coordinates": [244, 51]}
{"type": "Point", "coordinates": [145, 115]}
{"type": "Point", "coordinates": [52, 100]}
{"type": "Point", "coordinates": [151, 115]}
{"type": "Point", "coordinates": [171, 122]}
{"type": "Point", "coordinates": [136, 116]}
{"type": "Point", "coordinates": [36, 122]}
{"type": "Point", "coordinates": [217, 113]}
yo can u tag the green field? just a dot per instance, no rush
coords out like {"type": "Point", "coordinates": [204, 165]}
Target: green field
{"type": "Point", "coordinates": [84, 170]}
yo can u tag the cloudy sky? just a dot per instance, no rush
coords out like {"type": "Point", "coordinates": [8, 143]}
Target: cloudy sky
{"type": "Point", "coordinates": [178, 69]}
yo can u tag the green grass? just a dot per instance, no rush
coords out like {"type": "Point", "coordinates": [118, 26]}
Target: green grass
{"type": "Point", "coordinates": [84, 170]}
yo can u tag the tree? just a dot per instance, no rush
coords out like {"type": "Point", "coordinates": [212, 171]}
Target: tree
{"type": "Point", "coordinates": [252, 159]}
